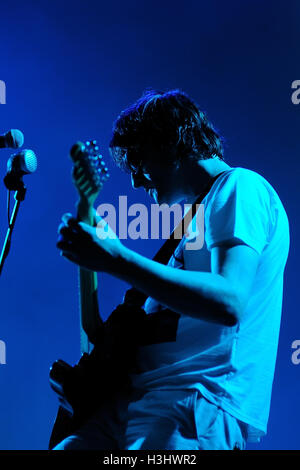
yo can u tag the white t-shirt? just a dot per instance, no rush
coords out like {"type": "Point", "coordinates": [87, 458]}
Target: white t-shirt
{"type": "Point", "coordinates": [233, 367]}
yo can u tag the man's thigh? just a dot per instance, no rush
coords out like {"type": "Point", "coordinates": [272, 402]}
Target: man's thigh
{"type": "Point", "coordinates": [179, 420]}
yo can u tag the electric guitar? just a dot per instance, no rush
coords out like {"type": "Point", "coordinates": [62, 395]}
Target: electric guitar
{"type": "Point", "coordinates": [103, 369]}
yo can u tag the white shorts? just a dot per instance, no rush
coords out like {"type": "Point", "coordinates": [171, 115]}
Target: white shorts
{"type": "Point", "coordinates": [159, 420]}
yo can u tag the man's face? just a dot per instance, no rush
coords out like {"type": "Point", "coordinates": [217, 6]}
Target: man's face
{"type": "Point", "coordinates": [160, 181]}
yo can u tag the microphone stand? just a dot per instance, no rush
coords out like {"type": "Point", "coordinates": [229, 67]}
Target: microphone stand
{"type": "Point", "coordinates": [19, 196]}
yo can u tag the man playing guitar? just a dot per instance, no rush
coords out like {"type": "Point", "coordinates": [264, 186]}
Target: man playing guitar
{"type": "Point", "coordinates": [210, 387]}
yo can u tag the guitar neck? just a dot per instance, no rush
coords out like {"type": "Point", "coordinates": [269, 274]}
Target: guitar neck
{"type": "Point", "coordinates": [90, 320]}
{"type": "Point", "coordinates": [89, 174]}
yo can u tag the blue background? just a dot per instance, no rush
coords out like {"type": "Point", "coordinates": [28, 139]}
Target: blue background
{"type": "Point", "coordinates": [69, 68]}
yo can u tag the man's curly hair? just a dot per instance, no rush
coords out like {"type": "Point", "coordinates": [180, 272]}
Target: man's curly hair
{"type": "Point", "coordinates": [170, 123]}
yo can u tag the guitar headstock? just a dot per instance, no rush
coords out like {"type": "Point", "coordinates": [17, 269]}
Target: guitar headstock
{"type": "Point", "coordinates": [92, 162]}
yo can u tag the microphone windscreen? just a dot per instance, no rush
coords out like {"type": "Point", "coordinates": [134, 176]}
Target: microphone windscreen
{"type": "Point", "coordinates": [24, 162]}
{"type": "Point", "coordinates": [15, 138]}
{"type": "Point", "coordinates": [30, 161]}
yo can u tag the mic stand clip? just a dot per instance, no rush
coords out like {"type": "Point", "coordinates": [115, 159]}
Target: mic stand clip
{"type": "Point", "coordinates": [19, 197]}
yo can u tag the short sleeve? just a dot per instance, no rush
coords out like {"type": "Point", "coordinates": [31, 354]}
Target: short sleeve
{"type": "Point", "coordinates": [238, 208]}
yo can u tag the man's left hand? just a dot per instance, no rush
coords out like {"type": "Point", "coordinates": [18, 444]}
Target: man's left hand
{"type": "Point", "coordinates": [94, 248]}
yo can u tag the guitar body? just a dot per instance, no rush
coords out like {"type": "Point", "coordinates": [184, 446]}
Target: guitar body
{"type": "Point", "coordinates": [84, 388]}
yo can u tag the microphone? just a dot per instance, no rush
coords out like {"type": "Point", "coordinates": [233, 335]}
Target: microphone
{"type": "Point", "coordinates": [18, 165]}
{"type": "Point", "coordinates": [12, 139]}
